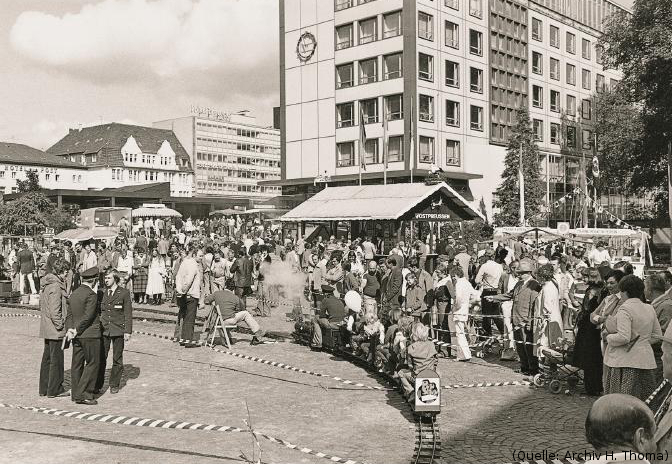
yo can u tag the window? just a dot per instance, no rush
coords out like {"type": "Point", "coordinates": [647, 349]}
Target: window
{"type": "Point", "coordinates": [555, 133]}
{"type": "Point", "coordinates": [586, 109]}
{"type": "Point", "coordinates": [346, 154]}
{"type": "Point", "coordinates": [586, 139]}
{"type": "Point", "coordinates": [554, 37]}
{"type": "Point", "coordinates": [476, 118]}
{"type": "Point", "coordinates": [58, 177]}
{"type": "Point", "coordinates": [476, 80]}
{"type": "Point", "coordinates": [345, 115]}
{"type": "Point", "coordinates": [395, 148]}
{"type": "Point", "coordinates": [426, 149]}
{"type": "Point", "coordinates": [476, 8]}
{"type": "Point", "coordinates": [368, 71]}
{"type": "Point", "coordinates": [571, 74]}
{"type": "Point", "coordinates": [600, 83]}
{"type": "Point", "coordinates": [344, 37]}
{"type": "Point", "coordinates": [571, 105]}
{"type": "Point", "coordinates": [369, 110]}
{"type": "Point", "coordinates": [392, 24]}
{"type": "Point", "coordinates": [425, 26]}
{"type": "Point", "coordinates": [613, 83]}
{"type": "Point", "coordinates": [452, 153]}
{"type": "Point", "coordinates": [538, 126]}
{"type": "Point", "coordinates": [599, 54]}
{"type": "Point", "coordinates": [345, 76]}
{"type": "Point", "coordinates": [452, 74]}
{"type": "Point", "coordinates": [585, 79]}
{"type": "Point", "coordinates": [536, 29]}
{"type": "Point", "coordinates": [571, 43]}
{"type": "Point", "coordinates": [368, 30]}
{"type": "Point", "coordinates": [537, 96]}
{"type": "Point", "coordinates": [537, 63]}
{"type": "Point", "coordinates": [394, 107]}
{"type": "Point", "coordinates": [555, 101]}
{"type": "Point", "coordinates": [342, 4]}
{"type": "Point", "coordinates": [392, 65]}
{"type": "Point", "coordinates": [555, 69]}
{"type": "Point", "coordinates": [571, 136]}
{"type": "Point", "coordinates": [14, 176]}
{"type": "Point", "coordinates": [452, 113]}
{"type": "Point", "coordinates": [371, 151]}
{"type": "Point", "coordinates": [452, 35]}
{"type": "Point", "coordinates": [426, 67]}
{"type": "Point", "coordinates": [475, 42]}
{"type": "Point", "coordinates": [426, 108]}
{"type": "Point", "coordinates": [585, 49]}
{"type": "Point", "coordinates": [2, 174]}
{"type": "Point", "coordinates": [454, 4]}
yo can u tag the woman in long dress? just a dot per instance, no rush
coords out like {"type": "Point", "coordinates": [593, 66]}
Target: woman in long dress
{"type": "Point", "coordinates": [140, 265]}
{"type": "Point", "coordinates": [155, 285]}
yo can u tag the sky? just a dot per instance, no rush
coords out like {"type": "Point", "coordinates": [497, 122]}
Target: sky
{"type": "Point", "coordinates": [67, 63]}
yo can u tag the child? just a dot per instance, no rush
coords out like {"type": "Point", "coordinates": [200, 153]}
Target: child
{"type": "Point", "coordinates": [420, 355]}
{"type": "Point", "coordinates": [373, 332]}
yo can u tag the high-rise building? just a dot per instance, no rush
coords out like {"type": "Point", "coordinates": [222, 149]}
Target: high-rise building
{"type": "Point", "coordinates": [435, 84]}
{"type": "Point", "coordinates": [230, 153]}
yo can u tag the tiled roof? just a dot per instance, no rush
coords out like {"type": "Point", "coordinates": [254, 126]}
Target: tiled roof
{"type": "Point", "coordinates": [17, 153]}
{"type": "Point", "coordinates": [108, 139]}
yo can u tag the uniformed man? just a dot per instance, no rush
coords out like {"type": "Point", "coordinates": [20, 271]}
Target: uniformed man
{"type": "Point", "coordinates": [334, 314]}
{"type": "Point", "coordinates": [116, 317]}
{"type": "Point", "coordinates": [83, 322]}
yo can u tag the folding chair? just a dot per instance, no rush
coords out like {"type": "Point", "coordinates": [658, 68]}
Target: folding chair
{"type": "Point", "coordinates": [219, 325]}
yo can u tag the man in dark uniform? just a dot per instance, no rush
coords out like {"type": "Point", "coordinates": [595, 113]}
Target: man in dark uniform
{"type": "Point", "coordinates": [116, 317]}
{"type": "Point", "coordinates": [83, 322]}
{"type": "Point", "coordinates": [334, 313]}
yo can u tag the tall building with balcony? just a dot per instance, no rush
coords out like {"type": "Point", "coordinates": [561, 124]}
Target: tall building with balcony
{"type": "Point", "coordinates": [230, 154]}
{"type": "Point", "coordinates": [435, 84]}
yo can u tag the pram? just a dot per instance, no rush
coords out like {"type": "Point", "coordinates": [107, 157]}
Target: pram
{"type": "Point", "coordinates": [555, 369]}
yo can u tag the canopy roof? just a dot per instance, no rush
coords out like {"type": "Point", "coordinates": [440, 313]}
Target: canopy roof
{"type": "Point", "coordinates": [376, 202]}
{"type": "Point", "coordinates": [82, 234]}
{"type": "Point", "coordinates": [154, 211]}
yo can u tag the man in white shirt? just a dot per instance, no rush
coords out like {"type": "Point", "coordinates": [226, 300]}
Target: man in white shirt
{"type": "Point", "coordinates": [598, 255]}
{"type": "Point", "coordinates": [188, 290]}
{"type": "Point", "coordinates": [458, 317]}
{"type": "Point", "coordinates": [487, 279]}
{"type": "Point", "coordinates": [369, 249]}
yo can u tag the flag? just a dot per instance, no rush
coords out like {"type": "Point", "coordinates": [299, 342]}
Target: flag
{"type": "Point", "coordinates": [362, 138]}
{"type": "Point", "coordinates": [521, 186]}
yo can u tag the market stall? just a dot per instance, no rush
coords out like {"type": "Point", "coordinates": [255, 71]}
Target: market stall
{"type": "Point", "coordinates": [150, 210]}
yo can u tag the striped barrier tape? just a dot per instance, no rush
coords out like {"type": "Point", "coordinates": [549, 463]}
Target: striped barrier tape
{"type": "Point", "coordinates": [36, 316]}
{"type": "Point", "coordinates": [165, 424]}
{"type": "Point", "coordinates": [512, 383]}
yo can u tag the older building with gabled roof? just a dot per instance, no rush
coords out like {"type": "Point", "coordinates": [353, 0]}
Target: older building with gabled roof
{"type": "Point", "coordinates": [117, 155]}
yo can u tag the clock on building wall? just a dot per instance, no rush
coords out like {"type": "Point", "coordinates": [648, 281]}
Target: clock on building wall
{"type": "Point", "coordinates": [306, 46]}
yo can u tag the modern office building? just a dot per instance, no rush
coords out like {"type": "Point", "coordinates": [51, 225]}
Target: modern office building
{"type": "Point", "coordinates": [436, 84]}
{"type": "Point", "coordinates": [119, 155]}
{"type": "Point", "coordinates": [230, 153]}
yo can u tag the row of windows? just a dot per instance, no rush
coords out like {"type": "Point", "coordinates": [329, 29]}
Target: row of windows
{"type": "Point", "coordinates": [569, 139]}
{"type": "Point", "coordinates": [570, 41]}
{"type": "Point", "coordinates": [212, 157]}
{"type": "Point", "coordinates": [136, 175]}
{"type": "Point", "coordinates": [368, 71]}
{"type": "Point", "coordinates": [516, 30]}
{"type": "Point", "coordinates": [212, 171]}
{"type": "Point", "coordinates": [148, 159]}
{"type": "Point", "coordinates": [426, 72]}
{"type": "Point", "coordinates": [345, 151]}
{"type": "Point", "coordinates": [426, 113]}
{"type": "Point", "coordinates": [368, 109]}
{"type": "Point", "coordinates": [570, 73]}
{"type": "Point", "coordinates": [452, 34]}
{"type": "Point", "coordinates": [224, 187]}
{"type": "Point", "coordinates": [241, 146]}
{"type": "Point", "coordinates": [556, 105]}
{"type": "Point", "coordinates": [368, 30]}
{"type": "Point", "coordinates": [212, 127]}
{"type": "Point", "coordinates": [343, 4]}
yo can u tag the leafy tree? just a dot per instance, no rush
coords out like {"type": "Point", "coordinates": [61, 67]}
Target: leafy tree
{"type": "Point", "coordinates": [467, 232]}
{"type": "Point", "coordinates": [635, 141]}
{"type": "Point", "coordinates": [31, 184]}
{"type": "Point", "coordinates": [507, 199]}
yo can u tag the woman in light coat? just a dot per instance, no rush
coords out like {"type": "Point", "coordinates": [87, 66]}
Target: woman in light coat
{"type": "Point", "coordinates": [629, 364]}
{"type": "Point", "coordinates": [549, 328]}
{"type": "Point", "coordinates": [54, 309]}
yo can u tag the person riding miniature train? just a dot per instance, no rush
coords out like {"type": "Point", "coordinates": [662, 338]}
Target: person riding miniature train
{"type": "Point", "coordinates": [420, 355]}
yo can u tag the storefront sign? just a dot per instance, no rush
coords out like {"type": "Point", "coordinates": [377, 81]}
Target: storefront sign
{"type": "Point", "coordinates": [433, 216]}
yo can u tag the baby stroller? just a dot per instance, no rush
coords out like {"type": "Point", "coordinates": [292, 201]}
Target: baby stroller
{"type": "Point", "coordinates": [555, 369]}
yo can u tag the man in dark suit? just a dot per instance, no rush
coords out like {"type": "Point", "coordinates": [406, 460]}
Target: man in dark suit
{"type": "Point", "coordinates": [242, 274]}
{"type": "Point", "coordinates": [116, 317]}
{"type": "Point", "coordinates": [83, 322]}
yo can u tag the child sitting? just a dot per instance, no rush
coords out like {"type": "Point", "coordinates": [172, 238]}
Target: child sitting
{"type": "Point", "coordinates": [373, 332]}
{"type": "Point", "coordinates": [420, 355]}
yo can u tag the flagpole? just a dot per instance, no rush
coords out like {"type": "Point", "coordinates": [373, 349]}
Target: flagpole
{"type": "Point", "coordinates": [412, 148]}
{"type": "Point", "coordinates": [521, 186]}
{"type": "Point", "coordinates": [384, 144]}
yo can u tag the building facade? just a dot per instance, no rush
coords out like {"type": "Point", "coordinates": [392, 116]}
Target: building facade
{"type": "Point", "coordinates": [119, 155]}
{"type": "Point", "coordinates": [54, 172]}
{"type": "Point", "coordinates": [230, 154]}
{"type": "Point", "coordinates": [436, 83]}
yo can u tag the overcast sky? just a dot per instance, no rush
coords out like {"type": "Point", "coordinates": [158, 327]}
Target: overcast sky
{"type": "Point", "coordinates": [71, 62]}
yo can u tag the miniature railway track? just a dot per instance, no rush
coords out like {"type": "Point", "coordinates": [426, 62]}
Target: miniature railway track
{"type": "Point", "coordinates": [427, 441]}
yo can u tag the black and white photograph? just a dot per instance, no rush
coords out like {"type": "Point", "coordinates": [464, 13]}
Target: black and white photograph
{"type": "Point", "coordinates": [346, 231]}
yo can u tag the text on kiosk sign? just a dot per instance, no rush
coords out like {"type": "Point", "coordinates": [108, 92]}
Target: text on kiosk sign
{"type": "Point", "coordinates": [432, 216]}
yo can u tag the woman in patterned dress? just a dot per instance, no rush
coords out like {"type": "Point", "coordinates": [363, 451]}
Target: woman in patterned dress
{"type": "Point", "coordinates": [140, 265]}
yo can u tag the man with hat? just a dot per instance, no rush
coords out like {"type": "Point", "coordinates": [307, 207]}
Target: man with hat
{"type": "Point", "coordinates": [83, 322]}
{"type": "Point", "coordinates": [523, 295]}
{"type": "Point", "coordinates": [334, 313]}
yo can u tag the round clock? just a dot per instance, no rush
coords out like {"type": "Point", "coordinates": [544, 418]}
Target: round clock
{"type": "Point", "coordinates": [306, 46]}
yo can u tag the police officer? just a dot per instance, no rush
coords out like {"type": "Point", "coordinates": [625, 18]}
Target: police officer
{"type": "Point", "coordinates": [117, 324]}
{"type": "Point", "coordinates": [83, 322]}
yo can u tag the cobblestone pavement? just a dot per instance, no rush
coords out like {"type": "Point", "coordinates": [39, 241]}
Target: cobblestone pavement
{"type": "Point", "coordinates": [162, 381]}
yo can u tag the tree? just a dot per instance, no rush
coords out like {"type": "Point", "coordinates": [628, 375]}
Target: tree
{"type": "Point", "coordinates": [507, 199]}
{"type": "Point", "coordinates": [640, 45]}
{"type": "Point", "coordinates": [31, 184]}
{"type": "Point", "coordinates": [467, 232]}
